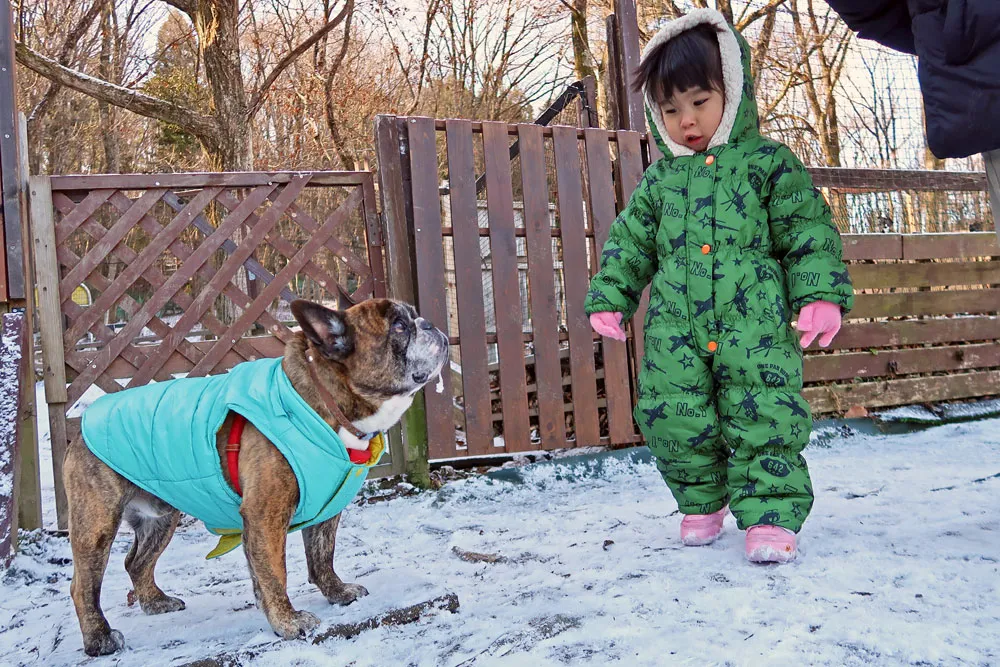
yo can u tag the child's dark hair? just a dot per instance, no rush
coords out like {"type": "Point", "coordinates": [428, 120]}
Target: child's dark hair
{"type": "Point", "coordinates": [690, 59]}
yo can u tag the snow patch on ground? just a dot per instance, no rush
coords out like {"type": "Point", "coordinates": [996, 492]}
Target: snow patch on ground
{"type": "Point", "coordinates": [898, 565]}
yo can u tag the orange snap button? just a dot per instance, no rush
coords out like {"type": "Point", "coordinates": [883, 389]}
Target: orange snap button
{"type": "Point", "coordinates": [712, 346]}
{"type": "Point", "coordinates": [705, 249]}
{"type": "Point", "coordinates": [710, 159]}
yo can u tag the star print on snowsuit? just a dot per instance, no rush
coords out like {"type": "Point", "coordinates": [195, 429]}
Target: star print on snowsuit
{"type": "Point", "coordinates": [734, 240]}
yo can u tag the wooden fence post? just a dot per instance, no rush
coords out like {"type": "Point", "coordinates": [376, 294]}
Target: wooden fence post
{"type": "Point", "coordinates": [51, 323]}
{"type": "Point", "coordinates": [991, 160]}
{"type": "Point", "coordinates": [12, 376]}
{"type": "Point", "coordinates": [29, 494]}
{"type": "Point", "coordinates": [401, 279]}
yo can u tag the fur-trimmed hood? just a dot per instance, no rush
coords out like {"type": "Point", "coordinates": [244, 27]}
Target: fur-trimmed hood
{"type": "Point", "coordinates": [739, 117]}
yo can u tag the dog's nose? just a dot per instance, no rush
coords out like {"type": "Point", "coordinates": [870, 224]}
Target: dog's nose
{"type": "Point", "coordinates": [425, 324]}
{"type": "Point", "coordinates": [420, 378]}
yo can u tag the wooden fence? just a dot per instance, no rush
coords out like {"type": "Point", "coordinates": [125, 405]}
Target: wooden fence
{"type": "Point", "coordinates": [527, 371]}
{"type": "Point", "coordinates": [191, 272]}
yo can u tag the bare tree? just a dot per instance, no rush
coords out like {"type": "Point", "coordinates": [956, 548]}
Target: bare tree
{"type": "Point", "coordinates": [225, 131]}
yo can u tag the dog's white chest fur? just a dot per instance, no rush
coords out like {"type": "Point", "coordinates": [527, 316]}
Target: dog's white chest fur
{"type": "Point", "coordinates": [387, 415]}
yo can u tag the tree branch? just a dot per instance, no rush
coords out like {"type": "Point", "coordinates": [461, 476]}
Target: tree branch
{"type": "Point", "coordinates": [71, 40]}
{"type": "Point", "coordinates": [257, 99]}
{"type": "Point", "coordinates": [126, 98]}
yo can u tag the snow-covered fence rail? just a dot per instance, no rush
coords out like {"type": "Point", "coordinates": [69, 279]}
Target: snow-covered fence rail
{"type": "Point", "coordinates": [12, 374]}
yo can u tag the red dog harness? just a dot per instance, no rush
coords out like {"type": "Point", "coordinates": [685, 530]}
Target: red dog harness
{"type": "Point", "coordinates": [358, 456]}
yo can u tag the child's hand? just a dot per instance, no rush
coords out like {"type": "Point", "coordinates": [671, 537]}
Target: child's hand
{"type": "Point", "coordinates": [819, 317]}
{"type": "Point", "coordinates": [608, 324]}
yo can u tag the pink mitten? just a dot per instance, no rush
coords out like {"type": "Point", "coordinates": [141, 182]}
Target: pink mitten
{"type": "Point", "coordinates": [819, 317]}
{"type": "Point", "coordinates": [608, 324]}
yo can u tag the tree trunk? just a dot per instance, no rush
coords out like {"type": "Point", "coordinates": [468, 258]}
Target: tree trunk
{"type": "Point", "coordinates": [583, 64]}
{"type": "Point", "coordinates": [216, 21]}
{"type": "Point", "coordinates": [109, 135]}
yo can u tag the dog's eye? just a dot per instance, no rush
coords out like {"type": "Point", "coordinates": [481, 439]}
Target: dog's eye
{"type": "Point", "coordinates": [399, 327]}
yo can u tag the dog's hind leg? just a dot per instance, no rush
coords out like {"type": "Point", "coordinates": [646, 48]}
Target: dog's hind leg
{"type": "Point", "coordinates": [320, 541]}
{"type": "Point", "coordinates": [154, 523]}
{"type": "Point", "coordinates": [96, 497]}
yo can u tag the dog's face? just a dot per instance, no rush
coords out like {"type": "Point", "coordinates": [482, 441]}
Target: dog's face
{"type": "Point", "coordinates": [385, 348]}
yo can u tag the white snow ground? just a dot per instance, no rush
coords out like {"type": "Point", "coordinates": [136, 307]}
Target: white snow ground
{"type": "Point", "coordinates": [898, 566]}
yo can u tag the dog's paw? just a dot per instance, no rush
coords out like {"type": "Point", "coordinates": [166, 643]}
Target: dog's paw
{"type": "Point", "coordinates": [297, 626]}
{"type": "Point", "coordinates": [104, 643]}
{"type": "Point", "coordinates": [345, 594]}
{"type": "Point", "coordinates": [162, 605]}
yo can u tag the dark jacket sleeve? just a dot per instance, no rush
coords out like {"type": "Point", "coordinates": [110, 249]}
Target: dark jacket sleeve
{"type": "Point", "coordinates": [970, 28]}
{"type": "Point", "coordinates": [885, 21]}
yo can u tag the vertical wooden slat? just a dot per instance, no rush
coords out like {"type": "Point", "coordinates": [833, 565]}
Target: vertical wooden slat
{"type": "Point", "coordinates": [574, 244]}
{"type": "Point", "coordinates": [12, 273]}
{"type": "Point", "coordinates": [375, 239]}
{"type": "Point", "coordinates": [408, 442]}
{"type": "Point", "coordinates": [51, 325]}
{"type": "Point", "coordinates": [541, 285]}
{"type": "Point", "coordinates": [469, 288]}
{"type": "Point", "coordinates": [430, 271]}
{"type": "Point", "coordinates": [628, 54]}
{"type": "Point", "coordinates": [29, 499]}
{"type": "Point", "coordinates": [11, 376]}
{"type": "Point", "coordinates": [506, 295]}
{"type": "Point", "coordinates": [629, 172]}
{"type": "Point", "coordinates": [602, 214]}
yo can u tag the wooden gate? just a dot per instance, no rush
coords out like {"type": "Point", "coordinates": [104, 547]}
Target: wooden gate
{"type": "Point", "coordinates": [507, 275]}
{"type": "Point", "coordinates": [143, 277]}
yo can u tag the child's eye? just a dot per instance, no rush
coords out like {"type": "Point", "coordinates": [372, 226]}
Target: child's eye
{"type": "Point", "coordinates": [698, 103]}
{"type": "Point", "coordinates": [670, 111]}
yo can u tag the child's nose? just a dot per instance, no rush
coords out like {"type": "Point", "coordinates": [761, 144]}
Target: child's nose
{"type": "Point", "coordinates": [687, 121]}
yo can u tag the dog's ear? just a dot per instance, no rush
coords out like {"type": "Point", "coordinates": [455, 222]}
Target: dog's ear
{"type": "Point", "coordinates": [327, 329]}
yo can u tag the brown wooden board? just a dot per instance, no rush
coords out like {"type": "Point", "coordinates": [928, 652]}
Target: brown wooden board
{"type": "Point", "coordinates": [602, 215]}
{"type": "Point", "coordinates": [925, 303]}
{"type": "Point", "coordinates": [630, 171]}
{"type": "Point", "coordinates": [872, 246]}
{"type": "Point", "coordinates": [912, 274]}
{"type": "Point", "coordinates": [469, 288]}
{"type": "Point", "coordinates": [506, 292]}
{"type": "Point", "coordinates": [893, 180]}
{"type": "Point", "coordinates": [879, 363]}
{"type": "Point", "coordinates": [865, 335]}
{"type": "Point", "coordinates": [541, 285]}
{"type": "Point", "coordinates": [430, 272]}
{"type": "Point", "coordinates": [572, 225]}
{"type": "Point", "coordinates": [960, 245]}
{"type": "Point", "coordinates": [840, 397]}
{"type": "Point", "coordinates": [202, 180]}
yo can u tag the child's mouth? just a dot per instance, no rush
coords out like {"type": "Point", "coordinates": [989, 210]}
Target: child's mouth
{"type": "Point", "coordinates": [694, 141]}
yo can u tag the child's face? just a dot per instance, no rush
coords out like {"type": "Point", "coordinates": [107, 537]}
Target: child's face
{"type": "Point", "coordinates": [692, 117]}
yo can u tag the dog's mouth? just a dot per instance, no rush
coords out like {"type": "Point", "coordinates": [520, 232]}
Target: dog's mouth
{"type": "Point", "coordinates": [421, 378]}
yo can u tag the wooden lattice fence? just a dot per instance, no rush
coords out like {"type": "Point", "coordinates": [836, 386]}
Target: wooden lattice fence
{"type": "Point", "coordinates": [190, 273]}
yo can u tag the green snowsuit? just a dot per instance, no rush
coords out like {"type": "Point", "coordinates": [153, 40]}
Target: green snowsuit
{"type": "Point", "coordinates": [734, 240]}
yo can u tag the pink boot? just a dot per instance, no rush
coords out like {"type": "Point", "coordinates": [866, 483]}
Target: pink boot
{"type": "Point", "coordinates": [770, 544]}
{"type": "Point", "coordinates": [701, 529]}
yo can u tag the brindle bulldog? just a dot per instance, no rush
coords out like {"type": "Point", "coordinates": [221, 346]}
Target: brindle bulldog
{"type": "Point", "coordinates": [365, 363]}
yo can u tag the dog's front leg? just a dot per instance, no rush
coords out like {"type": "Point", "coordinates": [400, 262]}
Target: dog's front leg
{"type": "Point", "coordinates": [270, 496]}
{"type": "Point", "coordinates": [320, 541]}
